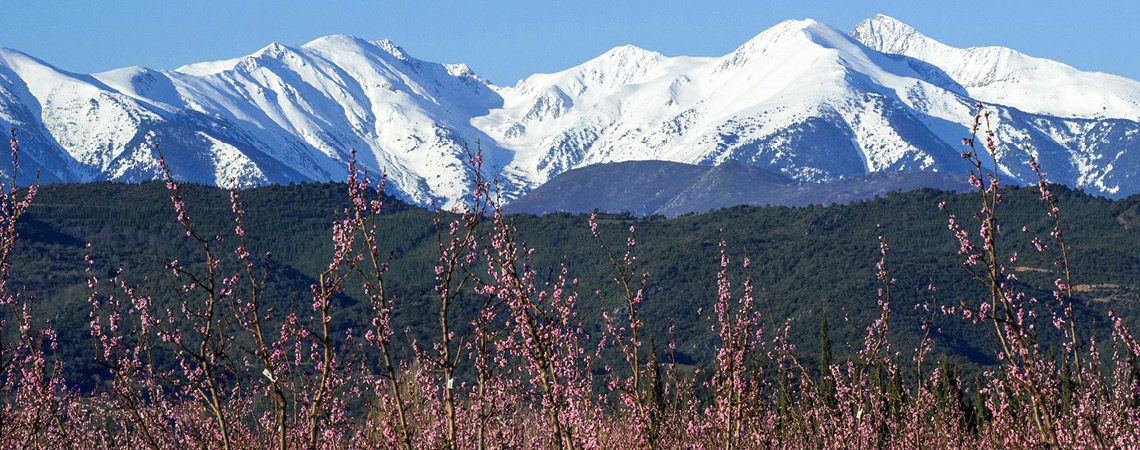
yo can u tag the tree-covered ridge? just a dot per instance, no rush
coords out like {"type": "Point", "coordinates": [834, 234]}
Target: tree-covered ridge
{"type": "Point", "coordinates": [806, 261]}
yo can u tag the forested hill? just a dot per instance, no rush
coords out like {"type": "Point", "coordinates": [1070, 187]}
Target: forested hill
{"type": "Point", "coordinates": [805, 260]}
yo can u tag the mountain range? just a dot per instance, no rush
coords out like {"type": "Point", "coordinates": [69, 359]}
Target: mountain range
{"type": "Point", "coordinates": [801, 99]}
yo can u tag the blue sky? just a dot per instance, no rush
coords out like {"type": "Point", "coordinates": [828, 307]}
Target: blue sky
{"type": "Point", "coordinates": [508, 40]}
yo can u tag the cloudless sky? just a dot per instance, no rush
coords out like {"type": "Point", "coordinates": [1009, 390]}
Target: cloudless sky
{"type": "Point", "coordinates": [505, 41]}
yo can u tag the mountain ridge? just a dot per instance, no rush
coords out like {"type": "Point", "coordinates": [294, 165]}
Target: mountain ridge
{"type": "Point", "coordinates": [801, 98]}
{"type": "Point", "coordinates": [646, 188]}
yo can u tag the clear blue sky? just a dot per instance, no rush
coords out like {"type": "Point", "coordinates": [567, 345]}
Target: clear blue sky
{"type": "Point", "coordinates": [508, 40]}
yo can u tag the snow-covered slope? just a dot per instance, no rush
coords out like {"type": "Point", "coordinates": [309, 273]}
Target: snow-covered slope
{"type": "Point", "coordinates": [801, 98]}
{"type": "Point", "coordinates": [1085, 124]}
{"type": "Point", "coordinates": [1004, 76]}
{"type": "Point", "coordinates": [818, 105]}
{"type": "Point", "coordinates": [281, 114]}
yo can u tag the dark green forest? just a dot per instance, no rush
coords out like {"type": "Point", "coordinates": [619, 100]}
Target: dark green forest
{"type": "Point", "coordinates": [805, 261]}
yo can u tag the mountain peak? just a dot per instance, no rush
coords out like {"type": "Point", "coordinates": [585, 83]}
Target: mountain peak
{"type": "Point", "coordinates": [627, 51]}
{"type": "Point", "coordinates": [794, 24]}
{"type": "Point", "coordinates": [629, 56]}
{"type": "Point", "coordinates": [273, 51]}
{"type": "Point", "coordinates": [888, 22]}
{"type": "Point", "coordinates": [336, 41]}
{"type": "Point", "coordinates": [802, 99]}
{"type": "Point", "coordinates": [609, 71]}
{"type": "Point", "coordinates": [7, 53]}
{"type": "Point", "coordinates": [806, 30]}
{"type": "Point", "coordinates": [789, 37]}
{"type": "Point", "coordinates": [392, 49]}
{"type": "Point", "coordinates": [779, 31]}
{"type": "Point", "coordinates": [888, 35]}
{"type": "Point", "coordinates": [1004, 76]}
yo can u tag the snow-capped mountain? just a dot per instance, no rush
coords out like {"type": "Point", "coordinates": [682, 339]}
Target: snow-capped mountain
{"type": "Point", "coordinates": [281, 114]}
{"type": "Point", "coordinates": [801, 98]}
{"type": "Point", "coordinates": [816, 104]}
{"type": "Point", "coordinates": [1004, 76]}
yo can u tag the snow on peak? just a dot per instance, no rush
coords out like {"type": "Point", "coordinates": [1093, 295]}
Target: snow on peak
{"type": "Point", "coordinates": [888, 35]}
{"type": "Point", "coordinates": [1004, 76]}
{"type": "Point", "coordinates": [620, 66]}
{"type": "Point", "coordinates": [143, 84]}
{"type": "Point", "coordinates": [339, 43]}
{"type": "Point", "coordinates": [603, 75]}
{"type": "Point", "coordinates": [780, 32]}
{"type": "Point", "coordinates": [43, 78]}
{"type": "Point", "coordinates": [789, 36]}
{"type": "Point", "coordinates": [392, 49]}
{"type": "Point", "coordinates": [801, 97]}
{"type": "Point", "coordinates": [336, 40]}
{"type": "Point", "coordinates": [29, 66]}
{"type": "Point", "coordinates": [274, 50]}
{"type": "Point", "coordinates": [771, 37]}
{"type": "Point", "coordinates": [10, 57]}
{"type": "Point", "coordinates": [209, 67]}
{"type": "Point", "coordinates": [629, 53]}
{"type": "Point", "coordinates": [463, 71]}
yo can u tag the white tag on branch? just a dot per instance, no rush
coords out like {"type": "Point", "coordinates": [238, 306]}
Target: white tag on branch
{"type": "Point", "coordinates": [268, 375]}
